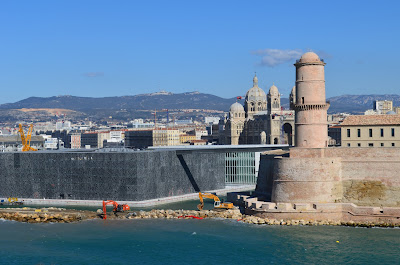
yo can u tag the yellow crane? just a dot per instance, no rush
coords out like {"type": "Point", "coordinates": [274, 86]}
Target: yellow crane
{"type": "Point", "coordinates": [26, 141]}
{"type": "Point", "coordinates": [217, 202]}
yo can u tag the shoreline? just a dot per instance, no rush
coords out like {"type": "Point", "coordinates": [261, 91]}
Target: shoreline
{"type": "Point", "coordinates": [139, 204]}
{"type": "Point", "coordinates": [61, 215]}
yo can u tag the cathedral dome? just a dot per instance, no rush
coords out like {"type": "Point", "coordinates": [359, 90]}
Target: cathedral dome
{"type": "Point", "coordinates": [309, 57]}
{"type": "Point", "coordinates": [256, 94]}
{"type": "Point", "coordinates": [273, 90]}
{"type": "Point", "coordinates": [236, 107]}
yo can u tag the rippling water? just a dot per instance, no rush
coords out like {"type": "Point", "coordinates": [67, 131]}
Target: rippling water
{"type": "Point", "coordinates": [209, 241]}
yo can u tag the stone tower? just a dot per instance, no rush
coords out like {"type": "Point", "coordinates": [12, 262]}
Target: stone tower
{"type": "Point", "coordinates": [236, 123]}
{"type": "Point", "coordinates": [274, 99]}
{"type": "Point", "coordinates": [255, 101]}
{"type": "Point", "coordinates": [310, 105]}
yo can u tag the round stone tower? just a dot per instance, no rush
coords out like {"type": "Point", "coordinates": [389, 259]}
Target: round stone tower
{"type": "Point", "coordinates": [310, 105]}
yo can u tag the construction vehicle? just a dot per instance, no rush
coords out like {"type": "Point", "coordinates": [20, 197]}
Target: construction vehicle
{"type": "Point", "coordinates": [13, 201]}
{"type": "Point", "coordinates": [217, 202]}
{"type": "Point", "coordinates": [26, 141]}
{"type": "Point", "coordinates": [117, 207]}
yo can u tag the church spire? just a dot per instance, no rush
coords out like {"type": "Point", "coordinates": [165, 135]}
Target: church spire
{"type": "Point", "coordinates": [255, 80]}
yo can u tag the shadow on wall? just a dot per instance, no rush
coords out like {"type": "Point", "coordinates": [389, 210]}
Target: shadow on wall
{"type": "Point", "coordinates": [265, 176]}
{"type": "Point", "coordinates": [188, 173]}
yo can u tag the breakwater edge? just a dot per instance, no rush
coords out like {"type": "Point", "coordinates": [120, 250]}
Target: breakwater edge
{"type": "Point", "coordinates": [62, 215]}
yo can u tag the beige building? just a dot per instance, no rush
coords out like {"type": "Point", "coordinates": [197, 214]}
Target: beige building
{"type": "Point", "coordinates": [166, 137]}
{"type": "Point", "coordinates": [371, 131]}
{"type": "Point", "coordinates": [261, 120]}
{"type": "Point", "coordinates": [383, 106]}
{"type": "Point", "coordinates": [184, 138]}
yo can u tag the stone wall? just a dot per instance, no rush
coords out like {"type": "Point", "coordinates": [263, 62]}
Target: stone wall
{"type": "Point", "coordinates": [364, 176]}
{"type": "Point", "coordinates": [127, 176]}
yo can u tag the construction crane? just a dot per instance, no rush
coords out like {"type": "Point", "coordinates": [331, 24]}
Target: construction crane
{"type": "Point", "coordinates": [217, 202]}
{"type": "Point", "coordinates": [117, 207]}
{"type": "Point", "coordinates": [26, 142]}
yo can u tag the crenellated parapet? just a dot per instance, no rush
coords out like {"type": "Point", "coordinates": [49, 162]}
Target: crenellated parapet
{"type": "Point", "coordinates": [304, 107]}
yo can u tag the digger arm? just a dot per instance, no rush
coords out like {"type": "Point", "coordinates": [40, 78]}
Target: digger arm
{"type": "Point", "coordinates": [201, 205]}
{"type": "Point", "coordinates": [208, 196]}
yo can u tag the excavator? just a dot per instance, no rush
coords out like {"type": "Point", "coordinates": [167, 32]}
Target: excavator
{"type": "Point", "coordinates": [217, 202]}
{"type": "Point", "coordinates": [117, 207]}
{"type": "Point", "coordinates": [26, 141]}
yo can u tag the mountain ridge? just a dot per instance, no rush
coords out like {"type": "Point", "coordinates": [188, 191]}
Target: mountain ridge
{"type": "Point", "coordinates": [354, 104]}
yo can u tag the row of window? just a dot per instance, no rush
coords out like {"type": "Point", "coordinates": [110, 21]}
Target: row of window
{"type": "Point", "coordinates": [370, 132]}
{"type": "Point", "coordinates": [369, 144]}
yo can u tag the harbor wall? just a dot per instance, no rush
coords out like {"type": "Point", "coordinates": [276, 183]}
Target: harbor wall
{"type": "Point", "coordinates": [363, 176]}
{"type": "Point", "coordinates": [126, 176]}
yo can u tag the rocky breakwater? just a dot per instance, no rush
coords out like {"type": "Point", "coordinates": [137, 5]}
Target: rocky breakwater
{"type": "Point", "coordinates": [251, 219]}
{"type": "Point", "coordinates": [178, 214]}
{"type": "Point", "coordinates": [45, 215]}
{"type": "Point", "coordinates": [238, 216]}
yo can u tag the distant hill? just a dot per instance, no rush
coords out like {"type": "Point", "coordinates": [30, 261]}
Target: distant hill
{"type": "Point", "coordinates": [192, 100]}
{"type": "Point", "coordinates": [356, 104]}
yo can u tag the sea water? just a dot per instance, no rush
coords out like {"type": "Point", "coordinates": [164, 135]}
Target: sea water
{"type": "Point", "coordinates": [207, 241]}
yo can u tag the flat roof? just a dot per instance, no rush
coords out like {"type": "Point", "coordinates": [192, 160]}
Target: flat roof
{"type": "Point", "coordinates": [221, 148]}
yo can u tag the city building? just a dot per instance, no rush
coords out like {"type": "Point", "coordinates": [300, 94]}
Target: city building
{"type": "Point", "coordinates": [12, 143]}
{"type": "Point", "coordinates": [211, 120]}
{"type": "Point", "coordinates": [335, 135]}
{"type": "Point", "coordinates": [383, 106]}
{"type": "Point", "coordinates": [371, 131]}
{"type": "Point", "coordinates": [75, 140]}
{"type": "Point", "coordinates": [155, 137]}
{"type": "Point", "coordinates": [261, 120]}
{"type": "Point", "coordinates": [185, 138]}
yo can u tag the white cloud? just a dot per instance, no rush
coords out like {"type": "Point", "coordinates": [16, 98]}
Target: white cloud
{"type": "Point", "coordinates": [273, 57]}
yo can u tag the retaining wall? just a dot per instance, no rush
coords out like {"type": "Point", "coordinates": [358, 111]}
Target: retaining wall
{"type": "Point", "coordinates": [364, 176]}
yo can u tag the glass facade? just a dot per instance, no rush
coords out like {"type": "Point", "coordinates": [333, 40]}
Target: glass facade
{"type": "Point", "coordinates": [241, 167]}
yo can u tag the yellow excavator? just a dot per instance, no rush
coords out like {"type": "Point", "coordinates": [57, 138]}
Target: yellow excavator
{"type": "Point", "coordinates": [26, 141]}
{"type": "Point", "coordinates": [217, 202]}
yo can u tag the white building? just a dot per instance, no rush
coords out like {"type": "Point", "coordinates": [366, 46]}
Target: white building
{"type": "Point", "coordinates": [211, 120]}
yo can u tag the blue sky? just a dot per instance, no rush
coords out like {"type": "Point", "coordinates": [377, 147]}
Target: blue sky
{"type": "Point", "coordinates": [114, 48]}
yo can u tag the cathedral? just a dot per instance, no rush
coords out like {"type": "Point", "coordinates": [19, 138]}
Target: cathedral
{"type": "Point", "coordinates": [261, 120]}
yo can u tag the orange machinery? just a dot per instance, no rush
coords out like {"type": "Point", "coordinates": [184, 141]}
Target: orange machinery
{"type": "Point", "coordinates": [117, 207]}
{"type": "Point", "coordinates": [217, 202]}
{"type": "Point", "coordinates": [26, 142]}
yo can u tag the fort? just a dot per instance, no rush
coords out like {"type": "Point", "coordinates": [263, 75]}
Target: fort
{"type": "Point", "coordinates": [313, 181]}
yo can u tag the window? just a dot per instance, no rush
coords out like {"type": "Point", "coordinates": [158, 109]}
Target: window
{"type": "Point", "coordinates": [393, 144]}
{"type": "Point", "coordinates": [370, 132]}
{"type": "Point", "coordinates": [348, 132]}
{"type": "Point", "coordinates": [371, 144]}
{"type": "Point", "coordinates": [392, 132]}
{"type": "Point", "coordinates": [358, 132]}
{"type": "Point", "coordinates": [382, 144]}
{"type": "Point", "coordinates": [348, 144]}
{"type": "Point", "coordinates": [302, 100]}
{"type": "Point", "coordinates": [381, 132]}
{"type": "Point", "coordinates": [358, 144]}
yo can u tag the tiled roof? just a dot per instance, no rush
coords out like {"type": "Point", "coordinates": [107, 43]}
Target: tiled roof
{"type": "Point", "coordinates": [371, 120]}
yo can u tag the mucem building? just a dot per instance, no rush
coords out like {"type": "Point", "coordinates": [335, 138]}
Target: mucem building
{"type": "Point", "coordinates": [130, 176]}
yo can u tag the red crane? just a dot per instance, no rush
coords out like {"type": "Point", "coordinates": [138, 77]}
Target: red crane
{"type": "Point", "coordinates": [117, 207]}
